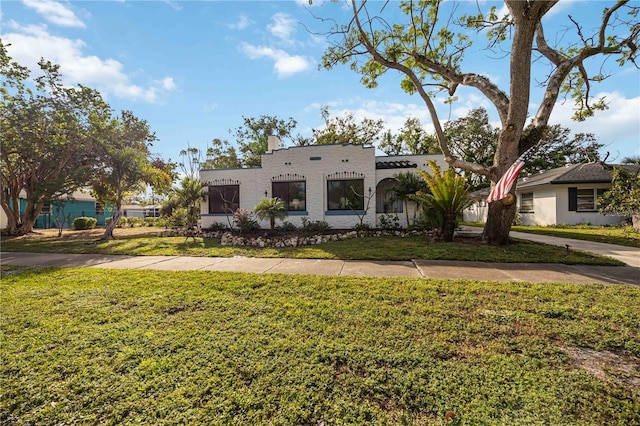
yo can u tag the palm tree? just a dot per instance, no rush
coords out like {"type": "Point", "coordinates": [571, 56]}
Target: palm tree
{"type": "Point", "coordinates": [407, 184]}
{"type": "Point", "coordinates": [190, 194]}
{"type": "Point", "coordinates": [449, 197]}
{"type": "Point", "coordinates": [272, 208]}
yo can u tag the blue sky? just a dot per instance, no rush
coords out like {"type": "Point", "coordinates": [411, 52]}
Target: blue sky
{"type": "Point", "coordinates": [192, 69]}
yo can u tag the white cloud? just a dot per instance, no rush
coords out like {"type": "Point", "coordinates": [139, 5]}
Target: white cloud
{"type": "Point", "coordinates": [30, 43]}
{"type": "Point", "coordinates": [285, 65]}
{"type": "Point", "coordinates": [56, 13]}
{"type": "Point", "coordinates": [168, 83]}
{"type": "Point", "coordinates": [242, 23]}
{"type": "Point", "coordinates": [283, 26]}
{"type": "Point", "coordinates": [618, 128]}
{"type": "Point", "coordinates": [173, 4]}
{"type": "Point", "coordinates": [211, 106]}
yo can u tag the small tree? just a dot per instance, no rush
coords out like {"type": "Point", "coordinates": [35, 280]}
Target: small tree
{"type": "Point", "coordinates": [449, 197]}
{"type": "Point", "coordinates": [271, 208]}
{"type": "Point", "coordinates": [360, 213]}
{"type": "Point", "coordinates": [623, 198]}
{"type": "Point", "coordinates": [190, 193]}
{"type": "Point", "coordinates": [407, 184]}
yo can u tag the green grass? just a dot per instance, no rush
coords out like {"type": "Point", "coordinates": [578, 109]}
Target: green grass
{"type": "Point", "coordinates": [92, 346]}
{"type": "Point", "coordinates": [370, 248]}
{"type": "Point", "coordinates": [620, 235]}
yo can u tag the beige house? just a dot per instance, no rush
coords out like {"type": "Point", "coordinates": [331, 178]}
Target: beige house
{"type": "Point", "coordinates": [333, 183]}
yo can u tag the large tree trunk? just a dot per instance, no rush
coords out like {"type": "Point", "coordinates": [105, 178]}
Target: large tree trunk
{"type": "Point", "coordinates": [499, 220]}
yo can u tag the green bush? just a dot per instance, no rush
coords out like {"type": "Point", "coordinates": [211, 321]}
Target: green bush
{"type": "Point", "coordinates": [390, 222]}
{"type": "Point", "coordinates": [314, 226]}
{"type": "Point", "coordinates": [83, 222]}
{"type": "Point", "coordinates": [135, 221]}
{"type": "Point", "coordinates": [178, 217]}
{"type": "Point", "coordinates": [286, 227]}
{"type": "Point", "coordinates": [150, 221]}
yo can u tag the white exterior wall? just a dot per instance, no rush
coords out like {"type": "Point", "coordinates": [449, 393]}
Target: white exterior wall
{"type": "Point", "coordinates": [564, 216]}
{"type": "Point", "coordinates": [544, 206]}
{"type": "Point", "coordinates": [476, 212]}
{"type": "Point", "coordinates": [246, 178]}
{"type": "Point", "coordinates": [313, 164]}
{"type": "Point", "coordinates": [551, 207]}
{"type": "Point", "coordinates": [332, 159]}
{"type": "Point", "coordinates": [421, 161]}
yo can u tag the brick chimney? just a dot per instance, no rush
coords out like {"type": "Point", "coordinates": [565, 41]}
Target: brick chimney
{"type": "Point", "coordinates": [273, 143]}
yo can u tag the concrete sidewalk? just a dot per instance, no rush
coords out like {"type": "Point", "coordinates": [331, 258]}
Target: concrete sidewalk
{"type": "Point", "coordinates": [416, 268]}
{"type": "Point", "coordinates": [628, 255]}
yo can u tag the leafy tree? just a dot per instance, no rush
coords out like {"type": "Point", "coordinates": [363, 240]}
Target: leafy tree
{"type": "Point", "coordinates": [252, 136]}
{"type": "Point", "coordinates": [125, 163]}
{"type": "Point", "coordinates": [473, 139]}
{"type": "Point", "coordinates": [623, 199]}
{"type": "Point", "coordinates": [346, 130]}
{"type": "Point", "coordinates": [448, 198]}
{"type": "Point", "coordinates": [407, 184]}
{"type": "Point", "coordinates": [560, 150]}
{"type": "Point", "coordinates": [421, 44]}
{"type": "Point", "coordinates": [221, 155]}
{"type": "Point", "coordinates": [44, 131]}
{"type": "Point", "coordinates": [272, 209]}
{"type": "Point", "coordinates": [412, 139]}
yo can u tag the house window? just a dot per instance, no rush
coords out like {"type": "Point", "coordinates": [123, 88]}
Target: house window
{"type": "Point", "coordinates": [386, 201]}
{"type": "Point", "coordinates": [224, 199]}
{"type": "Point", "coordinates": [294, 194]}
{"type": "Point", "coordinates": [526, 202]}
{"type": "Point", "coordinates": [99, 209]}
{"type": "Point", "coordinates": [345, 194]}
{"type": "Point", "coordinates": [589, 199]}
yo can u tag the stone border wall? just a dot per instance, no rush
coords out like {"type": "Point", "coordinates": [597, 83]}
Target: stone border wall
{"type": "Point", "coordinates": [228, 238]}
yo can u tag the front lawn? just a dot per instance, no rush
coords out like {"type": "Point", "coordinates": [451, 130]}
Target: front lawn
{"type": "Point", "coordinates": [620, 235]}
{"type": "Point", "coordinates": [92, 346]}
{"type": "Point", "coordinates": [145, 241]}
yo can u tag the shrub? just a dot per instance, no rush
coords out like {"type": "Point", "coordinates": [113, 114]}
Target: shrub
{"type": "Point", "coordinates": [390, 222]}
{"type": "Point", "coordinates": [286, 227]}
{"type": "Point", "coordinates": [135, 221]}
{"type": "Point", "coordinates": [314, 226]}
{"type": "Point", "coordinates": [244, 220]}
{"type": "Point", "coordinates": [150, 221]}
{"type": "Point", "coordinates": [178, 217]}
{"type": "Point", "coordinates": [83, 222]}
{"type": "Point", "coordinates": [216, 226]}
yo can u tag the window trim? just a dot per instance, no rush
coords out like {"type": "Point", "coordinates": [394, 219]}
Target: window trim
{"type": "Point", "coordinates": [357, 208]}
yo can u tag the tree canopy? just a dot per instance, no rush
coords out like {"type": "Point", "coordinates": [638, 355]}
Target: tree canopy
{"type": "Point", "coordinates": [45, 129]}
{"type": "Point", "coordinates": [125, 163]}
{"type": "Point", "coordinates": [427, 42]}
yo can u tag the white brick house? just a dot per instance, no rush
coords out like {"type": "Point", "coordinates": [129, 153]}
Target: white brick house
{"type": "Point", "coordinates": [316, 182]}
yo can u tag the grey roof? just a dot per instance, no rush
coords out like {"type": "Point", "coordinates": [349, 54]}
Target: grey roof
{"type": "Point", "coordinates": [574, 173]}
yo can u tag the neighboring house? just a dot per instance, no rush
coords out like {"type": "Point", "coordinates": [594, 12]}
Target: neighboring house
{"type": "Point", "coordinates": [332, 183]}
{"type": "Point", "coordinates": [565, 195]}
{"type": "Point", "coordinates": [80, 204]}
{"type": "Point", "coordinates": [136, 210]}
